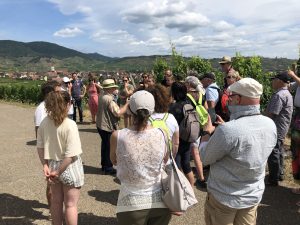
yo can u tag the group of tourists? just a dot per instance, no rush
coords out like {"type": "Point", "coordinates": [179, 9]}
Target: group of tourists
{"type": "Point", "coordinates": [223, 129]}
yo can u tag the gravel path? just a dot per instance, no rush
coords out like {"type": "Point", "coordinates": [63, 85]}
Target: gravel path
{"type": "Point", "coordinates": [22, 188]}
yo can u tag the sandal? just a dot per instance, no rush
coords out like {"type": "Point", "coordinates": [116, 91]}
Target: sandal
{"type": "Point", "coordinates": [296, 191]}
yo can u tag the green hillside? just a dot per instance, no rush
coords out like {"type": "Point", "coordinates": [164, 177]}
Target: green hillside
{"type": "Point", "coordinates": [40, 56]}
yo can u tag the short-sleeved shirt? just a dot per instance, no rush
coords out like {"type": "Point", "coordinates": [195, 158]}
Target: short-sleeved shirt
{"type": "Point", "coordinates": [59, 142]}
{"type": "Point", "coordinates": [281, 106]}
{"type": "Point", "coordinates": [40, 114]}
{"type": "Point", "coordinates": [77, 86]}
{"type": "Point", "coordinates": [211, 93]}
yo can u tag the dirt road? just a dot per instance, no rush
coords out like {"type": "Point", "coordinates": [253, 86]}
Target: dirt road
{"type": "Point", "coordinates": [22, 188]}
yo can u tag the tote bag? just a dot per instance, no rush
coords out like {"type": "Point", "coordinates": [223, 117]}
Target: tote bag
{"type": "Point", "coordinates": [178, 194]}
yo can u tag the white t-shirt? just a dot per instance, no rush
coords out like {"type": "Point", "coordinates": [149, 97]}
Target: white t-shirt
{"type": "Point", "coordinates": [171, 122]}
{"type": "Point", "coordinates": [40, 114]}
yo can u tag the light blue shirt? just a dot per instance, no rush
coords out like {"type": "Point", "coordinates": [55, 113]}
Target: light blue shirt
{"type": "Point", "coordinates": [211, 93]}
{"type": "Point", "coordinates": [237, 154]}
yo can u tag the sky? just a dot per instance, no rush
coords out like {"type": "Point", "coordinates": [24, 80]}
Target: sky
{"type": "Point", "coordinates": [119, 28]}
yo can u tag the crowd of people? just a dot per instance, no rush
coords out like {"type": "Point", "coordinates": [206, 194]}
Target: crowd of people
{"type": "Point", "coordinates": [230, 136]}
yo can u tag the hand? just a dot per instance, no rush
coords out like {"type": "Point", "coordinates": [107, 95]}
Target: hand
{"type": "Point", "coordinates": [53, 177]}
{"type": "Point", "coordinates": [46, 170]}
{"type": "Point", "coordinates": [209, 126]}
{"type": "Point", "coordinates": [219, 120]}
{"type": "Point", "coordinates": [177, 213]}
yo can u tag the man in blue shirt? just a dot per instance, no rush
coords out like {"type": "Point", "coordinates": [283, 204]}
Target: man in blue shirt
{"type": "Point", "coordinates": [237, 153]}
{"type": "Point", "coordinates": [78, 91]}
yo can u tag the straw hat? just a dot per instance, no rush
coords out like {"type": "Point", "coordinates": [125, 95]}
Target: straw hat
{"type": "Point", "coordinates": [109, 83]}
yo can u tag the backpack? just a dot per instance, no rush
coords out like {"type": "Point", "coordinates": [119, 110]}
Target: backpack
{"type": "Point", "coordinates": [161, 123]}
{"type": "Point", "coordinates": [194, 115]}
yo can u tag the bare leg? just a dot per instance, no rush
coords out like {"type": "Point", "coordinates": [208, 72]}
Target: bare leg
{"type": "Point", "coordinates": [190, 177]}
{"type": "Point", "coordinates": [71, 197]}
{"type": "Point", "coordinates": [57, 204]}
{"type": "Point", "coordinates": [48, 194]}
{"type": "Point", "coordinates": [198, 163]}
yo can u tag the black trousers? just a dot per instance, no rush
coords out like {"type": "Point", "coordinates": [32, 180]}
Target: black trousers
{"type": "Point", "coordinates": [105, 149]}
{"type": "Point", "coordinates": [275, 162]}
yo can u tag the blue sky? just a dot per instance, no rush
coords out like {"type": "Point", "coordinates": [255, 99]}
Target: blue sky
{"type": "Point", "coordinates": [118, 28]}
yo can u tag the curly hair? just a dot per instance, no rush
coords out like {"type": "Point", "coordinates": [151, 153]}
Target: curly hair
{"type": "Point", "coordinates": [178, 91]}
{"type": "Point", "coordinates": [56, 104]}
{"type": "Point", "coordinates": [161, 97]}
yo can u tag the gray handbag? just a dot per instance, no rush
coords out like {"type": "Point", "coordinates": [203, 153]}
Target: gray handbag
{"type": "Point", "coordinates": [178, 194]}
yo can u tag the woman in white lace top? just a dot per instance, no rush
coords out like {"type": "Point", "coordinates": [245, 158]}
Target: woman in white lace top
{"type": "Point", "coordinates": [139, 153]}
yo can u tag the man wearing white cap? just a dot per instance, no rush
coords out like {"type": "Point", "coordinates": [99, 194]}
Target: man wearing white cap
{"type": "Point", "coordinates": [237, 153]}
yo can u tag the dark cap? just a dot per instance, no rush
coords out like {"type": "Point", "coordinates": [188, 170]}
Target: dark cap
{"type": "Point", "coordinates": [208, 75]}
{"type": "Point", "coordinates": [283, 76]}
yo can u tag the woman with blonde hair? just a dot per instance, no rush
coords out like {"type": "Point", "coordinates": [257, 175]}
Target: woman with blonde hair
{"type": "Point", "coordinates": [59, 150]}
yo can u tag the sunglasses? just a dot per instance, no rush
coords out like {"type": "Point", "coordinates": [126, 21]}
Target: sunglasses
{"type": "Point", "coordinates": [125, 80]}
{"type": "Point", "coordinates": [229, 77]}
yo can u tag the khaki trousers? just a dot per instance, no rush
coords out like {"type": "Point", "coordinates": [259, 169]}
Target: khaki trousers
{"type": "Point", "coordinates": [219, 214]}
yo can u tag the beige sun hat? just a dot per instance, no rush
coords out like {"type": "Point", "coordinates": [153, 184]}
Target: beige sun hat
{"type": "Point", "coordinates": [109, 83]}
{"type": "Point", "coordinates": [225, 59]}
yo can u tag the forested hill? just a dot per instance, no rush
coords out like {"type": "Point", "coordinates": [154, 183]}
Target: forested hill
{"type": "Point", "coordinates": [39, 56]}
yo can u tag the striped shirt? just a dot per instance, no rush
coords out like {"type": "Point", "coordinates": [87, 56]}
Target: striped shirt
{"type": "Point", "coordinates": [237, 154]}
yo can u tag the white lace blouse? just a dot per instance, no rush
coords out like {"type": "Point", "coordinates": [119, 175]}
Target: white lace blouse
{"type": "Point", "coordinates": [139, 163]}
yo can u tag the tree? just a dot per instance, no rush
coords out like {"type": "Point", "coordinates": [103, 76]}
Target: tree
{"type": "Point", "coordinates": [179, 65]}
{"type": "Point", "coordinates": [159, 67]}
{"type": "Point", "coordinates": [200, 65]}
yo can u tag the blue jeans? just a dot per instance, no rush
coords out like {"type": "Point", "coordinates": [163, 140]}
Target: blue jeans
{"type": "Point", "coordinates": [77, 104]}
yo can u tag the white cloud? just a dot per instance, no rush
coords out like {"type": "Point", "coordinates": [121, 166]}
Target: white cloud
{"type": "Point", "coordinates": [68, 32]}
{"type": "Point", "coordinates": [210, 28]}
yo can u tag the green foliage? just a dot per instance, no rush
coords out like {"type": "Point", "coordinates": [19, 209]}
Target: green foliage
{"type": "Point", "coordinates": [179, 65]}
{"type": "Point", "coordinates": [252, 67]}
{"type": "Point", "coordinates": [159, 67]}
{"type": "Point", "coordinates": [200, 65]}
{"type": "Point", "coordinates": [20, 92]}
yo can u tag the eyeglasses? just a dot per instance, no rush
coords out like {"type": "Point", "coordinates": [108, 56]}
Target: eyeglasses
{"type": "Point", "coordinates": [229, 77]}
{"type": "Point", "coordinates": [125, 80]}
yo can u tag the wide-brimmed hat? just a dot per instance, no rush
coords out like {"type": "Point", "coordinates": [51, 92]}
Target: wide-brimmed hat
{"type": "Point", "coordinates": [109, 83]}
{"type": "Point", "coordinates": [225, 59]}
{"type": "Point", "coordinates": [247, 87]}
{"type": "Point", "coordinates": [142, 100]}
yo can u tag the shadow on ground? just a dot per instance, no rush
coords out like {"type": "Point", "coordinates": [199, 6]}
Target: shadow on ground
{"type": "Point", "coordinates": [31, 143]}
{"type": "Point", "coordinates": [271, 212]}
{"type": "Point", "coordinates": [89, 219]}
{"type": "Point", "coordinates": [90, 130]}
{"type": "Point", "coordinates": [102, 196]}
{"type": "Point", "coordinates": [91, 170]}
{"type": "Point", "coordinates": [17, 211]}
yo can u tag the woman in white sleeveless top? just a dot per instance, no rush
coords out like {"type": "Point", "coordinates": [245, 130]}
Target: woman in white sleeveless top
{"type": "Point", "coordinates": [139, 153]}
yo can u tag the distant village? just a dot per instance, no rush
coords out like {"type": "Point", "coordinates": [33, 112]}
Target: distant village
{"type": "Point", "coordinates": [54, 74]}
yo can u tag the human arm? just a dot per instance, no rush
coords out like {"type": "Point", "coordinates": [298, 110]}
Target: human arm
{"type": "Point", "coordinates": [113, 147]}
{"type": "Point", "coordinates": [294, 76]}
{"type": "Point", "coordinates": [83, 91]}
{"type": "Point", "coordinates": [175, 142]}
{"type": "Point", "coordinates": [63, 166]}
{"type": "Point", "coordinates": [116, 110]}
{"type": "Point", "coordinates": [274, 106]}
{"type": "Point", "coordinates": [211, 104]}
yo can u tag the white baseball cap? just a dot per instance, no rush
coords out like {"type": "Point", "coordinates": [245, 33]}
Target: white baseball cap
{"type": "Point", "coordinates": [247, 87]}
{"type": "Point", "coordinates": [142, 100]}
